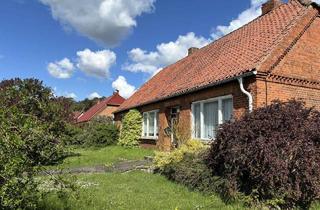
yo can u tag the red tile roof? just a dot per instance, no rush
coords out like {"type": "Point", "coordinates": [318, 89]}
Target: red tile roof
{"type": "Point", "coordinates": [114, 100]}
{"type": "Point", "coordinates": [235, 54]}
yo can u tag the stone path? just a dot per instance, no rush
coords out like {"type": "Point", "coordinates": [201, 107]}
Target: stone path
{"type": "Point", "coordinates": [120, 167]}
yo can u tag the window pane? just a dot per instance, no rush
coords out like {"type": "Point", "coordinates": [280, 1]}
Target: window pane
{"type": "Point", "coordinates": [227, 110]}
{"type": "Point", "coordinates": [145, 121]}
{"type": "Point", "coordinates": [151, 123]}
{"type": "Point", "coordinates": [210, 114]}
{"type": "Point", "coordinates": [196, 123]}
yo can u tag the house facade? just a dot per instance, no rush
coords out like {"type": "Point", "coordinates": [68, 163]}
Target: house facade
{"type": "Point", "coordinates": [103, 108]}
{"type": "Point", "coordinates": [274, 57]}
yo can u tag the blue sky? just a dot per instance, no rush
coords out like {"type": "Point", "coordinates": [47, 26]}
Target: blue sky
{"type": "Point", "coordinates": [83, 48]}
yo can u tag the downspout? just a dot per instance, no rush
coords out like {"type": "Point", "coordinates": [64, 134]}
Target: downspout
{"type": "Point", "coordinates": [248, 94]}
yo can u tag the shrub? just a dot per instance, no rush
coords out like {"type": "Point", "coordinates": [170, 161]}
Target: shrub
{"type": "Point", "coordinates": [100, 135]}
{"type": "Point", "coordinates": [30, 99]}
{"type": "Point", "coordinates": [162, 159]}
{"type": "Point", "coordinates": [31, 123]}
{"type": "Point", "coordinates": [99, 132]}
{"type": "Point", "coordinates": [271, 155]}
{"type": "Point", "coordinates": [131, 129]}
{"type": "Point", "coordinates": [192, 172]}
{"type": "Point", "coordinates": [72, 135]}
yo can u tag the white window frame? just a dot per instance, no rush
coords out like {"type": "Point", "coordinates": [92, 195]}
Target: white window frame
{"type": "Point", "coordinates": [220, 117]}
{"type": "Point", "coordinates": [156, 130]}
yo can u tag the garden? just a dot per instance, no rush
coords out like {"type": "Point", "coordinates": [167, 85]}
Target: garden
{"type": "Point", "coordinates": [268, 159]}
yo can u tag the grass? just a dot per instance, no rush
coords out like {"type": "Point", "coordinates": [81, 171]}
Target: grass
{"type": "Point", "coordinates": [134, 191]}
{"type": "Point", "coordinates": [102, 156]}
{"type": "Point", "coordinates": [121, 191]}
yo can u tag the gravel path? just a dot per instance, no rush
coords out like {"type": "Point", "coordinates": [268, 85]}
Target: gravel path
{"type": "Point", "coordinates": [120, 167]}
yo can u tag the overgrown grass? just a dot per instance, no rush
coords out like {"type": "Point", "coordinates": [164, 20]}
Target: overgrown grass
{"type": "Point", "coordinates": [102, 156]}
{"type": "Point", "coordinates": [135, 191]}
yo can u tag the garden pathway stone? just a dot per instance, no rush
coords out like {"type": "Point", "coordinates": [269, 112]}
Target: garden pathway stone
{"type": "Point", "coordinates": [120, 167]}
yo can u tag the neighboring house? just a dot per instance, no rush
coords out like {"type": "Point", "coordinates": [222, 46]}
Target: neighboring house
{"type": "Point", "coordinates": [276, 56]}
{"type": "Point", "coordinates": [105, 108]}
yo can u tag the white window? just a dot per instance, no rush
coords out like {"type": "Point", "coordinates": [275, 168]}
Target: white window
{"type": "Point", "coordinates": [209, 114]}
{"type": "Point", "coordinates": [150, 124]}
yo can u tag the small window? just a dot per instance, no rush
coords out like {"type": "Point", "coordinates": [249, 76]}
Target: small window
{"type": "Point", "coordinates": [209, 114]}
{"type": "Point", "coordinates": [150, 124]}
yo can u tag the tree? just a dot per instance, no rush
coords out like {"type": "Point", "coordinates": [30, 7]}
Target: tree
{"type": "Point", "coordinates": [32, 120]}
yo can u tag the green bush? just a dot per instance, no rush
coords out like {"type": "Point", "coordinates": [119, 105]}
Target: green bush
{"type": "Point", "coordinates": [100, 135]}
{"type": "Point", "coordinates": [162, 159]}
{"type": "Point", "coordinates": [98, 132]}
{"type": "Point", "coordinates": [131, 129]}
{"type": "Point", "coordinates": [31, 124]}
{"type": "Point", "coordinates": [72, 135]}
{"type": "Point", "coordinates": [192, 172]}
{"type": "Point", "coordinates": [187, 166]}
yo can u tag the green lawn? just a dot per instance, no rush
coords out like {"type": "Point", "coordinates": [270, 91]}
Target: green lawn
{"type": "Point", "coordinates": [135, 191]}
{"type": "Point", "coordinates": [126, 191]}
{"type": "Point", "coordinates": [103, 156]}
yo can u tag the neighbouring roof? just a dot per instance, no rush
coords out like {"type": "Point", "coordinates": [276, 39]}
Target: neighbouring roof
{"type": "Point", "coordinates": [114, 100]}
{"type": "Point", "coordinates": [235, 54]}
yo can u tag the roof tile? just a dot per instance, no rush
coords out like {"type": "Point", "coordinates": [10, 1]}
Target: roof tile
{"type": "Point", "coordinates": [232, 55]}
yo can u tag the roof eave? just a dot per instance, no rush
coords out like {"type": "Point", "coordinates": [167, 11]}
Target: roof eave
{"type": "Point", "coordinates": [249, 73]}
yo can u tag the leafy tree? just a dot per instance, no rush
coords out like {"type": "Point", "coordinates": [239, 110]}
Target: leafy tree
{"type": "Point", "coordinates": [131, 129]}
{"type": "Point", "coordinates": [31, 123]}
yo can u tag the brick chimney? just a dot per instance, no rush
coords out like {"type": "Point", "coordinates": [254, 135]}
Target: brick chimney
{"type": "Point", "coordinates": [192, 50]}
{"type": "Point", "coordinates": [270, 5]}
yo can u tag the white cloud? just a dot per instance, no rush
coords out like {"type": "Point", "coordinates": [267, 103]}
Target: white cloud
{"type": "Point", "coordinates": [125, 89]}
{"type": "Point", "coordinates": [243, 18]}
{"type": "Point", "coordinates": [166, 54]}
{"type": "Point", "coordinates": [317, 1]}
{"type": "Point", "coordinates": [61, 69]}
{"type": "Point", "coordinates": [71, 95]}
{"type": "Point", "coordinates": [106, 21]}
{"type": "Point", "coordinates": [97, 63]}
{"type": "Point", "coordinates": [94, 95]}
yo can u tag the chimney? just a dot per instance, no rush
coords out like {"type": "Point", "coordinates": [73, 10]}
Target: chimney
{"type": "Point", "coordinates": [192, 50]}
{"type": "Point", "coordinates": [270, 5]}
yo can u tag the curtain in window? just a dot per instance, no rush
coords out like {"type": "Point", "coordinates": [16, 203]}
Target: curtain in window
{"type": "Point", "coordinates": [227, 109]}
{"type": "Point", "coordinates": [151, 123]}
{"type": "Point", "coordinates": [145, 123]}
{"type": "Point", "coordinates": [210, 114]}
{"type": "Point", "coordinates": [157, 127]}
{"type": "Point", "coordinates": [197, 127]}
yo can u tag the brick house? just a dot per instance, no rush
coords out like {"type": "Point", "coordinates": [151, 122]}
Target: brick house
{"type": "Point", "coordinates": [276, 56]}
{"type": "Point", "coordinates": [104, 108]}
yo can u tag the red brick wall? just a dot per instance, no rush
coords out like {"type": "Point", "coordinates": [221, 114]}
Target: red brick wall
{"type": "Point", "coordinates": [303, 60]}
{"type": "Point", "coordinates": [297, 75]}
{"type": "Point", "coordinates": [185, 101]}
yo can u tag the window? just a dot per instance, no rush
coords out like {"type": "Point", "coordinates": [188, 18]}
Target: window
{"type": "Point", "coordinates": [209, 114]}
{"type": "Point", "coordinates": [150, 124]}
